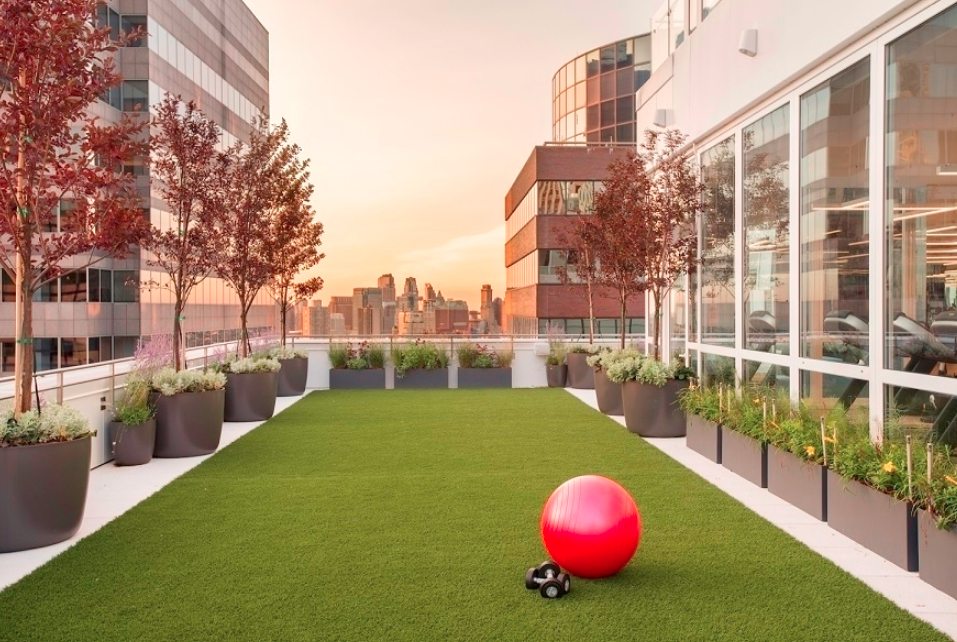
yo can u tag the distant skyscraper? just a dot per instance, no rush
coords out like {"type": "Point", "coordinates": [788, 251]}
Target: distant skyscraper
{"type": "Point", "coordinates": [387, 285]}
{"type": "Point", "coordinates": [342, 305]}
{"type": "Point", "coordinates": [410, 295]}
{"type": "Point", "coordinates": [429, 293]}
{"type": "Point", "coordinates": [367, 311]}
{"type": "Point", "coordinates": [315, 319]}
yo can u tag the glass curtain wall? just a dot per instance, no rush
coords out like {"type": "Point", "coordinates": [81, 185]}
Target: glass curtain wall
{"type": "Point", "coordinates": [835, 287]}
{"type": "Point", "coordinates": [717, 228]}
{"type": "Point", "coordinates": [766, 205]}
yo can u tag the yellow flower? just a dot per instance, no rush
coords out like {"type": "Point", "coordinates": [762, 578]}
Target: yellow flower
{"type": "Point", "coordinates": [810, 450]}
{"type": "Point", "coordinates": [757, 400]}
{"type": "Point", "coordinates": [889, 468]}
{"type": "Point", "coordinates": [950, 479]}
{"type": "Point", "coordinates": [830, 440]}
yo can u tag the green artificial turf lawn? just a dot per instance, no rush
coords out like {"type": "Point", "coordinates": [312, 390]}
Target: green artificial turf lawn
{"type": "Point", "coordinates": [413, 515]}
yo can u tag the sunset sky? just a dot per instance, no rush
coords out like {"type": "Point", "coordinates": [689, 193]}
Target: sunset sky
{"type": "Point", "coordinates": [418, 116]}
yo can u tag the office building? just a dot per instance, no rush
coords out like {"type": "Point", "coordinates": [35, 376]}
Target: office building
{"type": "Point", "coordinates": [214, 52]}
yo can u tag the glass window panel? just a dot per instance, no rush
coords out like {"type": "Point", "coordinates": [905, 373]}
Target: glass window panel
{"type": "Point", "coordinates": [73, 287]}
{"type": "Point", "coordinates": [8, 355]}
{"type": "Point", "coordinates": [707, 6]}
{"type": "Point", "coordinates": [74, 352]}
{"type": "Point", "coordinates": [625, 53]}
{"type": "Point", "coordinates": [580, 74]}
{"type": "Point", "coordinates": [835, 119]}
{"type": "Point", "coordinates": [47, 292]}
{"type": "Point", "coordinates": [608, 135]}
{"type": "Point", "coordinates": [580, 95]}
{"type": "Point", "coordinates": [580, 121]}
{"type": "Point", "coordinates": [46, 354]}
{"type": "Point", "coordinates": [593, 137]}
{"type": "Point", "coordinates": [126, 286]}
{"type": "Point", "coordinates": [679, 315]}
{"type": "Point", "coordinates": [135, 95]}
{"type": "Point", "coordinates": [101, 349]}
{"type": "Point", "coordinates": [921, 216]}
{"type": "Point", "coordinates": [625, 82]}
{"type": "Point", "coordinates": [124, 347]}
{"type": "Point", "coordinates": [9, 288]}
{"type": "Point", "coordinates": [592, 59]}
{"type": "Point", "coordinates": [717, 371]}
{"type": "Point", "coordinates": [607, 58]}
{"type": "Point", "coordinates": [607, 86]}
{"type": "Point", "coordinates": [625, 133]}
{"type": "Point", "coordinates": [769, 375]}
{"type": "Point", "coordinates": [642, 74]}
{"type": "Point", "coordinates": [643, 50]}
{"type": "Point", "coordinates": [625, 109]}
{"type": "Point", "coordinates": [593, 118]}
{"type": "Point", "coordinates": [608, 113]}
{"type": "Point", "coordinates": [593, 90]}
{"type": "Point", "coordinates": [766, 207]}
{"type": "Point", "coordinates": [823, 392]}
{"type": "Point", "coordinates": [94, 285]}
{"type": "Point", "coordinates": [550, 198]}
{"type": "Point", "coordinates": [130, 23]}
{"type": "Point", "coordinates": [926, 416]}
{"type": "Point", "coordinates": [717, 228]}
{"type": "Point", "coordinates": [677, 18]}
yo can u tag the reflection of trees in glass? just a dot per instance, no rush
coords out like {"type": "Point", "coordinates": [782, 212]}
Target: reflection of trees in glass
{"type": "Point", "coordinates": [717, 222]}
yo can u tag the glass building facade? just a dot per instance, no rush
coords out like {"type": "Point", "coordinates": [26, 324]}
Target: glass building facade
{"type": "Point", "coordinates": [593, 96]}
{"type": "Point", "coordinates": [829, 235]}
{"type": "Point", "coordinates": [214, 52]}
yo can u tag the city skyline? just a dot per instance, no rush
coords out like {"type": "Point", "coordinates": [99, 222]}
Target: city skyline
{"type": "Point", "coordinates": [425, 166]}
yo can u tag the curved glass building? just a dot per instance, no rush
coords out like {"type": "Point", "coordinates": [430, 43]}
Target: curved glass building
{"type": "Point", "coordinates": [593, 95]}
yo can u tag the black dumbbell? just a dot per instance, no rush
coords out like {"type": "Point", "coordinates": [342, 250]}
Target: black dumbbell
{"type": "Point", "coordinates": [549, 579]}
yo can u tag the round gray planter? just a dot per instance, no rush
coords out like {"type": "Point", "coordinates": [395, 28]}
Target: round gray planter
{"type": "Point", "coordinates": [608, 394]}
{"type": "Point", "coordinates": [42, 493]}
{"type": "Point", "coordinates": [292, 377]}
{"type": "Point", "coordinates": [651, 411]}
{"type": "Point", "coordinates": [556, 375]}
{"type": "Point", "coordinates": [580, 374]}
{"type": "Point", "coordinates": [133, 445]}
{"type": "Point", "coordinates": [251, 396]}
{"type": "Point", "coordinates": [189, 423]}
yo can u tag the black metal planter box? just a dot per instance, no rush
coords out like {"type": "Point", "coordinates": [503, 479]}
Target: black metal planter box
{"type": "Point", "coordinates": [873, 519]}
{"type": "Point", "coordinates": [42, 493]}
{"type": "Point", "coordinates": [798, 482]}
{"type": "Point", "coordinates": [421, 378]}
{"type": "Point", "coordinates": [485, 377]}
{"type": "Point", "coordinates": [556, 375]}
{"type": "Point", "coordinates": [745, 456]}
{"type": "Point", "coordinates": [580, 374]}
{"type": "Point", "coordinates": [343, 379]}
{"type": "Point", "coordinates": [937, 554]}
{"type": "Point", "coordinates": [704, 437]}
{"type": "Point", "coordinates": [608, 394]}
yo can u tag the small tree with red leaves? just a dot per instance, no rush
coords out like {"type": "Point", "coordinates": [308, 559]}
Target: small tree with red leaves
{"type": "Point", "coordinates": [580, 266]}
{"type": "Point", "coordinates": [54, 64]}
{"type": "Point", "coordinates": [663, 236]}
{"type": "Point", "coordinates": [192, 177]}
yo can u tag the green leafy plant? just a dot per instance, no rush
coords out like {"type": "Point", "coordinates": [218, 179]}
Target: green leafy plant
{"type": "Point", "coordinates": [703, 402]}
{"type": "Point", "coordinates": [480, 356]}
{"type": "Point", "coordinates": [168, 382]}
{"type": "Point", "coordinates": [49, 423]}
{"type": "Point", "coordinates": [250, 365]}
{"type": "Point", "coordinates": [605, 357]}
{"type": "Point", "coordinates": [582, 348]}
{"type": "Point", "coordinates": [418, 355]}
{"type": "Point", "coordinates": [556, 346]}
{"type": "Point", "coordinates": [133, 406]}
{"type": "Point", "coordinates": [362, 357]}
{"type": "Point", "coordinates": [283, 352]}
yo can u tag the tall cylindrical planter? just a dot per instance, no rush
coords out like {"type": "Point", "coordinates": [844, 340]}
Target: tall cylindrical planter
{"type": "Point", "coordinates": [556, 375]}
{"type": "Point", "coordinates": [651, 411]}
{"type": "Point", "coordinates": [608, 394]}
{"type": "Point", "coordinates": [580, 374]}
{"type": "Point", "coordinates": [292, 377]}
{"type": "Point", "coordinates": [251, 396]}
{"type": "Point", "coordinates": [42, 493]}
{"type": "Point", "coordinates": [133, 445]}
{"type": "Point", "coordinates": [188, 424]}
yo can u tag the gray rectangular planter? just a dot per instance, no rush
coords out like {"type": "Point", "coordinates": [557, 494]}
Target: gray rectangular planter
{"type": "Point", "coordinates": [745, 456]}
{"type": "Point", "coordinates": [704, 437]}
{"type": "Point", "coordinates": [421, 378]}
{"type": "Point", "coordinates": [485, 377]}
{"type": "Point", "coordinates": [798, 482]}
{"type": "Point", "coordinates": [344, 379]}
{"type": "Point", "coordinates": [873, 519]}
{"type": "Point", "coordinates": [937, 554]}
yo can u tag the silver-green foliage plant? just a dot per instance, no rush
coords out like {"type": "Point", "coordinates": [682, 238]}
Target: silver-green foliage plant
{"type": "Point", "coordinates": [284, 352]}
{"type": "Point", "coordinates": [627, 368]}
{"type": "Point", "coordinates": [418, 355]}
{"type": "Point", "coordinates": [168, 382]}
{"type": "Point", "coordinates": [607, 356]}
{"type": "Point", "coordinates": [582, 348]}
{"type": "Point", "coordinates": [52, 422]}
{"type": "Point", "coordinates": [251, 365]}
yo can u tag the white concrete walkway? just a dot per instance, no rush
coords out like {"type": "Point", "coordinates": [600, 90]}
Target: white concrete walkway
{"type": "Point", "coordinates": [905, 589]}
{"type": "Point", "coordinates": [116, 489]}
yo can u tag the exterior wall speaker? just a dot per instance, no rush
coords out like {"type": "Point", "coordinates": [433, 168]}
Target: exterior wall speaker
{"type": "Point", "coordinates": [749, 42]}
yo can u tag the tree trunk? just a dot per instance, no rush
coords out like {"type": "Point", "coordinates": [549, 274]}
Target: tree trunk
{"type": "Point", "coordinates": [283, 311]}
{"type": "Point", "coordinates": [244, 346]}
{"type": "Point", "coordinates": [657, 317]}
{"type": "Point", "coordinates": [591, 312]}
{"type": "Point", "coordinates": [25, 349]}
{"type": "Point", "coordinates": [624, 308]}
{"type": "Point", "coordinates": [178, 352]}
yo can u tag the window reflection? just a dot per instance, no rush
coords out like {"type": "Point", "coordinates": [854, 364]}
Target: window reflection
{"type": "Point", "coordinates": [717, 226]}
{"type": "Point", "coordinates": [921, 218]}
{"type": "Point", "coordinates": [766, 227]}
{"type": "Point", "coordinates": [717, 371]}
{"type": "Point", "coordinates": [823, 392]}
{"type": "Point", "coordinates": [835, 122]}
{"type": "Point", "coordinates": [925, 416]}
{"type": "Point", "coordinates": [767, 375]}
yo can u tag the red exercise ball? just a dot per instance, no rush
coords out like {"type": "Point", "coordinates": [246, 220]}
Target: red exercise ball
{"type": "Point", "coordinates": [591, 526]}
